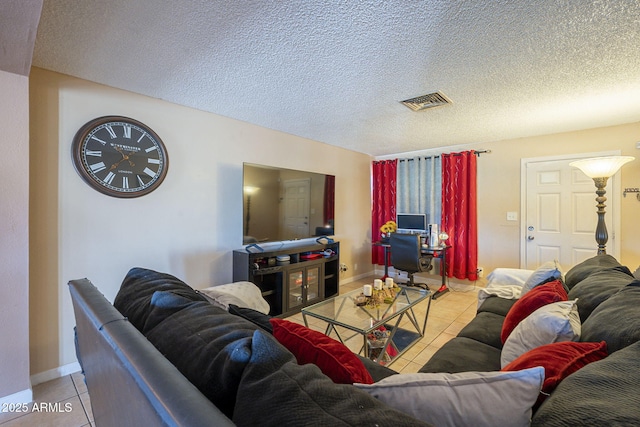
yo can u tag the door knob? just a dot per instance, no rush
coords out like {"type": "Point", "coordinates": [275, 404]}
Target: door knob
{"type": "Point", "coordinates": [530, 237]}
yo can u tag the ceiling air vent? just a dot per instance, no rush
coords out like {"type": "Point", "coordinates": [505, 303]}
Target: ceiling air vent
{"type": "Point", "coordinates": [423, 102]}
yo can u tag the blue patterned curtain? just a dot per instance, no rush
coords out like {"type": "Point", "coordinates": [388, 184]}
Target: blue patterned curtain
{"type": "Point", "coordinates": [419, 188]}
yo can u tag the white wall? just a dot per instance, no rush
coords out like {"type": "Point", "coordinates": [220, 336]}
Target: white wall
{"type": "Point", "coordinates": [14, 238]}
{"type": "Point", "coordinates": [188, 227]}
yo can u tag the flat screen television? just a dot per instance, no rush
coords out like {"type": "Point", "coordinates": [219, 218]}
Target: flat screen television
{"type": "Point", "coordinates": [411, 223]}
{"type": "Point", "coordinates": [285, 204]}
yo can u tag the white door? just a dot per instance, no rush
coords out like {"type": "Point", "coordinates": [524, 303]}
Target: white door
{"type": "Point", "coordinates": [296, 208]}
{"type": "Point", "coordinates": [560, 214]}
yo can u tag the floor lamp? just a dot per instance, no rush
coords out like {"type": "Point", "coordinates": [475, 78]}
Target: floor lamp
{"type": "Point", "coordinates": [249, 191]}
{"type": "Point", "coordinates": [600, 169]}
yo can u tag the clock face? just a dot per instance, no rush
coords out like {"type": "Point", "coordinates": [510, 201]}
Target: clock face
{"type": "Point", "coordinates": [119, 156]}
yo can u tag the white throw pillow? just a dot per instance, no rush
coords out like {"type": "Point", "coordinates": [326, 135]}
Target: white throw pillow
{"type": "Point", "coordinates": [242, 294]}
{"type": "Point", "coordinates": [555, 322]}
{"type": "Point", "coordinates": [502, 291]}
{"type": "Point", "coordinates": [509, 276]}
{"type": "Point", "coordinates": [504, 283]}
{"type": "Point", "coordinates": [475, 399]}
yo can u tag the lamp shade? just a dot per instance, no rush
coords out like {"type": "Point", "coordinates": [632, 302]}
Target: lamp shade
{"type": "Point", "coordinates": [249, 190]}
{"type": "Point", "coordinates": [601, 167]}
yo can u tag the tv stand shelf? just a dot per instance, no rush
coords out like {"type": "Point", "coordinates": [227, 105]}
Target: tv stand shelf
{"type": "Point", "coordinates": [311, 275]}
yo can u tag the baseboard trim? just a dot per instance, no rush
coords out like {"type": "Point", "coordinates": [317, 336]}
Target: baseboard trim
{"type": "Point", "coordinates": [355, 278]}
{"type": "Point", "coordinates": [52, 374]}
{"type": "Point", "coordinates": [24, 396]}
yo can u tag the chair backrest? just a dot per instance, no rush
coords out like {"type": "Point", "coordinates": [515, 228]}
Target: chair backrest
{"type": "Point", "coordinates": [405, 252]}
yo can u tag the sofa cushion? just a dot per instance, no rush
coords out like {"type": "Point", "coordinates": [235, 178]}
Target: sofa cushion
{"type": "Point", "coordinates": [376, 370]}
{"type": "Point", "coordinates": [530, 302]}
{"type": "Point", "coordinates": [497, 305]}
{"type": "Point", "coordinates": [253, 316]}
{"type": "Point", "coordinates": [617, 320]}
{"type": "Point", "coordinates": [603, 393]}
{"type": "Point", "coordinates": [463, 354]}
{"type": "Point", "coordinates": [276, 391]}
{"type": "Point", "coordinates": [555, 322]}
{"type": "Point", "coordinates": [559, 360]}
{"type": "Point", "coordinates": [332, 357]}
{"type": "Point", "coordinates": [162, 305]}
{"type": "Point", "coordinates": [581, 271]}
{"type": "Point", "coordinates": [547, 272]}
{"type": "Point", "coordinates": [134, 297]}
{"type": "Point", "coordinates": [597, 288]}
{"type": "Point", "coordinates": [208, 345]}
{"type": "Point", "coordinates": [463, 399]}
{"type": "Point", "coordinates": [485, 327]}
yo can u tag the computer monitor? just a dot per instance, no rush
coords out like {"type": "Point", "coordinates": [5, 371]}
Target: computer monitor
{"type": "Point", "coordinates": [411, 223]}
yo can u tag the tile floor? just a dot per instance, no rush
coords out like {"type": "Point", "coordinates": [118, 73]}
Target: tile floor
{"type": "Point", "coordinates": [64, 402]}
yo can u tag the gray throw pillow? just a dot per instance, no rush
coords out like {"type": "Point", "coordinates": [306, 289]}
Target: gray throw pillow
{"type": "Point", "coordinates": [547, 272]}
{"type": "Point", "coordinates": [555, 322]}
{"type": "Point", "coordinates": [479, 399]}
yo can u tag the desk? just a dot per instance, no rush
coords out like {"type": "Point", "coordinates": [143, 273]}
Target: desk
{"type": "Point", "coordinates": [437, 252]}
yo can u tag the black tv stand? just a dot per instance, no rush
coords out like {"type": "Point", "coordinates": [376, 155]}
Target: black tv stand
{"type": "Point", "coordinates": [310, 275]}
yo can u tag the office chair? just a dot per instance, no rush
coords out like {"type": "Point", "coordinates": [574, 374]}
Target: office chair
{"type": "Point", "coordinates": [406, 256]}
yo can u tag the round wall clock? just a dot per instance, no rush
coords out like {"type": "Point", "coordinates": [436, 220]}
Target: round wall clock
{"type": "Point", "coordinates": [119, 156]}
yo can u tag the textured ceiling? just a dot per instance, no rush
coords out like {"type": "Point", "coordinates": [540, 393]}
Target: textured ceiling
{"type": "Point", "coordinates": [18, 26]}
{"type": "Point", "coordinates": [335, 71]}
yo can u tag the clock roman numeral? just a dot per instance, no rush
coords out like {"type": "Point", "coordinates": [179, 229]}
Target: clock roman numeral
{"type": "Point", "coordinates": [112, 132]}
{"type": "Point", "coordinates": [149, 172]}
{"type": "Point", "coordinates": [140, 181]}
{"type": "Point", "coordinates": [154, 161]}
{"type": "Point", "coordinates": [141, 136]}
{"type": "Point", "coordinates": [109, 178]}
{"type": "Point", "coordinates": [99, 140]}
{"type": "Point", "coordinates": [127, 131]}
{"type": "Point", "coordinates": [125, 182]}
{"type": "Point", "coordinates": [150, 149]}
{"type": "Point", "coordinates": [97, 167]}
{"type": "Point", "coordinates": [93, 153]}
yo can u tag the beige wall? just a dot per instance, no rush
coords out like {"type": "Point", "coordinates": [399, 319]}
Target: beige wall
{"type": "Point", "coordinates": [14, 238]}
{"type": "Point", "coordinates": [499, 189]}
{"type": "Point", "coordinates": [188, 227]}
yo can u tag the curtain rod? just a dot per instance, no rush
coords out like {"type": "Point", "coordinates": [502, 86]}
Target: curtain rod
{"type": "Point", "coordinates": [477, 153]}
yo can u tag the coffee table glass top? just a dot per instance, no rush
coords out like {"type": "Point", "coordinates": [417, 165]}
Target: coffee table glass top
{"type": "Point", "coordinates": [343, 311]}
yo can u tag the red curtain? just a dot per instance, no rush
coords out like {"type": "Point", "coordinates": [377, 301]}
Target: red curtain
{"type": "Point", "coordinates": [329, 200]}
{"type": "Point", "coordinates": [384, 202]}
{"type": "Point", "coordinates": [459, 213]}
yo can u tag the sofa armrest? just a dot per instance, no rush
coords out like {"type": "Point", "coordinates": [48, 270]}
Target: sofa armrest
{"type": "Point", "coordinates": [129, 380]}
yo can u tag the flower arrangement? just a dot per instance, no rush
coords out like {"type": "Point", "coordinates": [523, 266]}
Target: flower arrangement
{"type": "Point", "coordinates": [389, 227]}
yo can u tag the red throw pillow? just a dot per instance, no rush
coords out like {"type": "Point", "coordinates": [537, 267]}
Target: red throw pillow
{"type": "Point", "coordinates": [559, 360]}
{"type": "Point", "coordinates": [531, 301]}
{"type": "Point", "coordinates": [333, 358]}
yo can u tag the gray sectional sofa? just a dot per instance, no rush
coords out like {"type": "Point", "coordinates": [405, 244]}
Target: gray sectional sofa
{"type": "Point", "coordinates": [162, 354]}
{"type": "Point", "coordinates": [175, 359]}
{"type": "Point", "coordinates": [605, 392]}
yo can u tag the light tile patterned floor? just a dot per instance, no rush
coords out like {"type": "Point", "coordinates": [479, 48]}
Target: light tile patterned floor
{"type": "Point", "coordinates": [63, 402]}
{"type": "Point", "coordinates": [66, 401]}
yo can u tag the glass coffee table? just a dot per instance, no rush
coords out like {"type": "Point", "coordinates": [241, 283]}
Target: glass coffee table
{"type": "Point", "coordinates": [387, 330]}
